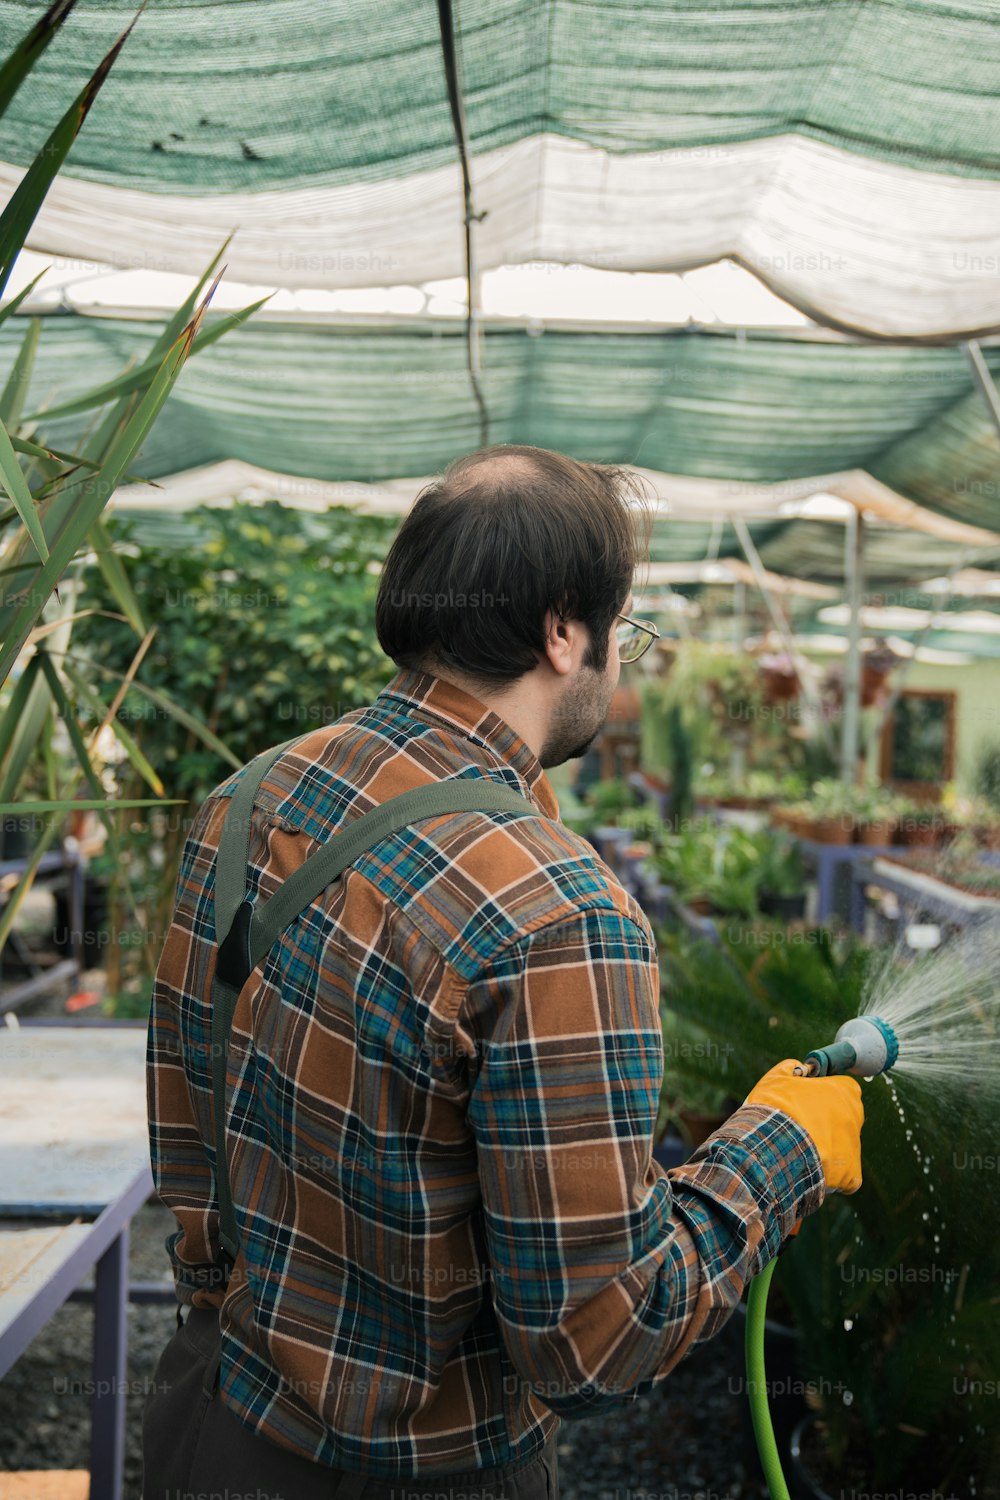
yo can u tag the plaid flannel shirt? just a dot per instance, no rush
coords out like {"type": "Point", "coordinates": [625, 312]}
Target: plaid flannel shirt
{"type": "Point", "coordinates": [444, 1080]}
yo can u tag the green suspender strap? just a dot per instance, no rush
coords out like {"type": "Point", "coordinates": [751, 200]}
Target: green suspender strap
{"type": "Point", "coordinates": [246, 930]}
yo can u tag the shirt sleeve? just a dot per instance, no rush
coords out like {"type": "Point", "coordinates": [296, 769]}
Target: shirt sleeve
{"type": "Point", "coordinates": [178, 1096]}
{"type": "Point", "coordinates": [605, 1268]}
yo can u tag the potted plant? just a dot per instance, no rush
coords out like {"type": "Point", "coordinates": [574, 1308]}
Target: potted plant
{"type": "Point", "coordinates": [831, 806]}
{"type": "Point", "coordinates": [876, 816]}
{"type": "Point", "coordinates": [960, 865]}
{"type": "Point", "coordinates": [919, 823]}
{"type": "Point", "coordinates": [708, 868]}
{"type": "Point", "coordinates": [876, 668]}
{"type": "Point", "coordinates": [779, 681]}
{"type": "Point", "coordinates": [795, 815]}
{"type": "Point", "coordinates": [781, 876]}
{"type": "Point", "coordinates": [975, 817]}
{"type": "Point", "coordinates": [683, 862]}
{"type": "Point", "coordinates": [698, 1113]}
{"type": "Point", "coordinates": [986, 826]}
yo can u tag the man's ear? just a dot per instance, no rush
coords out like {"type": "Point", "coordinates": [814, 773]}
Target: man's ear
{"type": "Point", "coordinates": [560, 642]}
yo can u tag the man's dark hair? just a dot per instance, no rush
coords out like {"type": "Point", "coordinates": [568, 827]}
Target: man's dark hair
{"type": "Point", "coordinates": [501, 537]}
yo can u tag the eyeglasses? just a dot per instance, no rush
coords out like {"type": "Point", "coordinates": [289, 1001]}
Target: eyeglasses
{"type": "Point", "coordinates": [634, 638]}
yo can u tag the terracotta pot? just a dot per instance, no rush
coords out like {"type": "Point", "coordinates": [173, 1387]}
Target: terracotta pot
{"type": "Point", "coordinates": [831, 830]}
{"type": "Point", "coordinates": [872, 683]}
{"type": "Point", "coordinates": [876, 832]}
{"type": "Point", "coordinates": [701, 905]}
{"type": "Point", "coordinates": [641, 849]}
{"type": "Point", "coordinates": [780, 687]}
{"type": "Point", "coordinates": [796, 823]}
{"type": "Point", "coordinates": [919, 835]}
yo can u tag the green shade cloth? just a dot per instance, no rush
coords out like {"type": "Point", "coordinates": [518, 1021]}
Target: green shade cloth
{"type": "Point", "coordinates": [847, 153]}
{"type": "Point", "coordinates": [241, 95]}
{"type": "Point", "coordinates": [375, 406]}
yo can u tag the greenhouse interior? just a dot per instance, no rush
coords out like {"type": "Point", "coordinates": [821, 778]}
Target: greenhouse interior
{"type": "Point", "coordinates": [581, 423]}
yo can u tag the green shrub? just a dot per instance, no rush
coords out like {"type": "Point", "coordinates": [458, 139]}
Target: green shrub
{"type": "Point", "coordinates": [264, 629]}
{"type": "Point", "coordinates": [893, 1288]}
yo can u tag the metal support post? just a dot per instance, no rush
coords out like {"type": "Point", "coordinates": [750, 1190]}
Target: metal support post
{"type": "Point", "coordinates": [854, 577]}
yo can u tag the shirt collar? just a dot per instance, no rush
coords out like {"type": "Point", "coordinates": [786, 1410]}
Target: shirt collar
{"type": "Point", "coordinates": [427, 696]}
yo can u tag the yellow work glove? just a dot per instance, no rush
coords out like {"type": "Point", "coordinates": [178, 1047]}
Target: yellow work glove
{"type": "Point", "coordinates": [829, 1109]}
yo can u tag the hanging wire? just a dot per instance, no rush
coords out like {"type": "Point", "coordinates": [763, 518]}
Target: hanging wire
{"type": "Point", "coordinates": [473, 315]}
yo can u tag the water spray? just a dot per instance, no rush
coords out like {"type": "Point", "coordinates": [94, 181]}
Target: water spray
{"type": "Point", "coordinates": [865, 1047]}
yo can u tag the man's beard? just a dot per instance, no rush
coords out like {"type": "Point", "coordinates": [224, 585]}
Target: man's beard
{"type": "Point", "coordinates": [578, 718]}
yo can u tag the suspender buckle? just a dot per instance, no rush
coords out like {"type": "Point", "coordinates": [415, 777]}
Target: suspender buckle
{"type": "Point", "coordinates": [234, 964]}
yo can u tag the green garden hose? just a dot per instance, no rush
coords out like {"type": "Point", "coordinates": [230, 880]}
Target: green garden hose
{"type": "Point", "coordinates": [863, 1047]}
{"type": "Point", "coordinates": [757, 1384]}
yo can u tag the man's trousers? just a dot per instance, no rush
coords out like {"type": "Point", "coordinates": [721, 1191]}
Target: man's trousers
{"type": "Point", "coordinates": [194, 1448]}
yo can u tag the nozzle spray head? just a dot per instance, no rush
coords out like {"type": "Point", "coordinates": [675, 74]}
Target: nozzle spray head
{"type": "Point", "coordinates": [864, 1047]}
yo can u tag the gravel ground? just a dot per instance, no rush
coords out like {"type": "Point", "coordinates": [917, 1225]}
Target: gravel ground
{"type": "Point", "coordinates": [686, 1441]}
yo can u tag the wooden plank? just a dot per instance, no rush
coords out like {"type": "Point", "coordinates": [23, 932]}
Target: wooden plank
{"type": "Point", "coordinates": [29, 1257]}
{"type": "Point", "coordinates": [73, 1128]}
{"type": "Point", "coordinates": [45, 1484]}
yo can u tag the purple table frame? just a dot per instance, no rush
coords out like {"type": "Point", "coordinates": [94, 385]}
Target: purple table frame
{"type": "Point", "coordinates": [829, 858]}
{"type": "Point", "coordinates": [103, 1247]}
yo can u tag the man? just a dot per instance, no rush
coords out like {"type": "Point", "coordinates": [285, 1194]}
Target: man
{"type": "Point", "coordinates": [443, 1078]}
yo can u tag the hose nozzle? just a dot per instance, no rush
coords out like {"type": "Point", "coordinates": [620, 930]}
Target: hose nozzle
{"type": "Point", "coordinates": [864, 1047]}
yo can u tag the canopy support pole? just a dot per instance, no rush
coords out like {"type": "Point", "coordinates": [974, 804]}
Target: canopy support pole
{"type": "Point", "coordinates": [739, 613]}
{"type": "Point", "coordinates": [984, 379]}
{"type": "Point", "coordinates": [781, 625]}
{"type": "Point", "coordinates": [854, 545]}
{"type": "Point", "coordinates": [473, 322]}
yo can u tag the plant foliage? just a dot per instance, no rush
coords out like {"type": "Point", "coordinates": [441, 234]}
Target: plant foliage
{"type": "Point", "coordinates": [893, 1288]}
{"type": "Point", "coordinates": [262, 631]}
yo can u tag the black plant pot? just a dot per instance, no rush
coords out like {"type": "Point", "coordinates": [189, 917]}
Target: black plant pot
{"type": "Point", "coordinates": [785, 1386]}
{"type": "Point", "coordinates": [802, 1483]}
{"type": "Point", "coordinates": [787, 908]}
